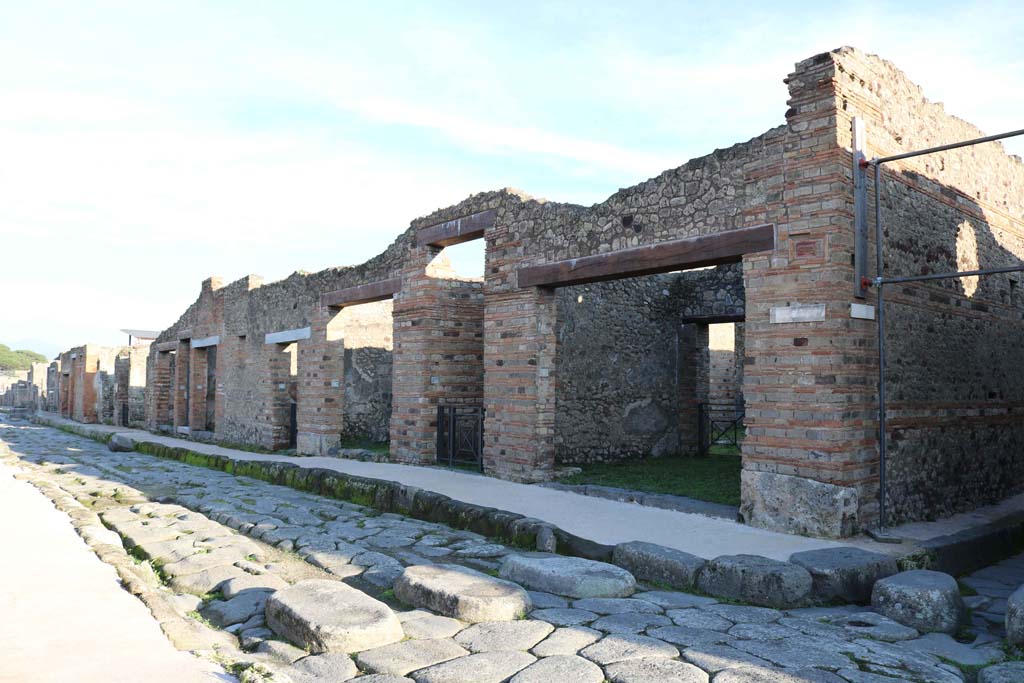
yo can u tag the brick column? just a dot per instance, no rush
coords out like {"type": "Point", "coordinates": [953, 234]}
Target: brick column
{"type": "Point", "coordinates": [321, 387]}
{"type": "Point", "coordinates": [181, 384]}
{"type": "Point", "coordinates": [197, 390]}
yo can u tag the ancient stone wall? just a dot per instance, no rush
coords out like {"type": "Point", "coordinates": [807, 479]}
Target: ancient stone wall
{"type": "Point", "coordinates": [618, 362]}
{"type": "Point", "coordinates": [955, 371]}
{"type": "Point", "coordinates": [130, 386]}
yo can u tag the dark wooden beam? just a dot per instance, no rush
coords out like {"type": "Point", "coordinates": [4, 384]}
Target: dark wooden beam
{"type": "Point", "coordinates": [362, 294]}
{"type": "Point", "coordinates": [715, 319]}
{"type": "Point", "coordinates": [694, 252]}
{"type": "Point", "coordinates": [457, 231]}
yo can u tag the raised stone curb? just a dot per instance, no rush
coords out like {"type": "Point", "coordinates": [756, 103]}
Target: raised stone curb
{"type": "Point", "coordinates": [757, 580]}
{"type": "Point", "coordinates": [845, 573]}
{"type": "Point", "coordinates": [652, 562]}
{"type": "Point", "coordinates": [571, 576]}
{"type": "Point", "coordinates": [922, 599]}
{"type": "Point", "coordinates": [461, 593]}
{"type": "Point", "coordinates": [1015, 617]}
{"type": "Point", "coordinates": [329, 616]}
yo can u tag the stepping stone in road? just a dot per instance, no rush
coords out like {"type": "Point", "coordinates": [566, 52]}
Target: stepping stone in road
{"type": "Point", "coordinates": [486, 667]}
{"type": "Point", "coordinates": [399, 659]}
{"type": "Point", "coordinates": [652, 562]}
{"type": "Point", "coordinates": [922, 599]}
{"type": "Point", "coordinates": [461, 593]}
{"type": "Point", "coordinates": [845, 573]}
{"type": "Point", "coordinates": [571, 576]}
{"type": "Point", "coordinates": [561, 668]}
{"type": "Point", "coordinates": [757, 580]}
{"type": "Point", "coordinates": [329, 616]}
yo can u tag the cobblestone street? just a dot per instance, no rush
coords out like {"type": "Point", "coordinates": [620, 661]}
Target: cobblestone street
{"type": "Point", "coordinates": [255, 576]}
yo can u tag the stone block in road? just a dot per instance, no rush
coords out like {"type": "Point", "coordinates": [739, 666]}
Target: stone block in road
{"type": "Point", "coordinates": [922, 599]}
{"type": "Point", "coordinates": [1015, 617]}
{"type": "Point", "coordinates": [757, 580]}
{"type": "Point", "coordinates": [329, 616]}
{"type": "Point", "coordinates": [571, 576]}
{"type": "Point", "coordinates": [652, 562]}
{"type": "Point", "coordinates": [121, 443]}
{"type": "Point", "coordinates": [844, 573]}
{"type": "Point", "coordinates": [461, 593]}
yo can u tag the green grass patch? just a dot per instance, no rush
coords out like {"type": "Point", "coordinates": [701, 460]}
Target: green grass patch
{"type": "Point", "coordinates": [715, 478]}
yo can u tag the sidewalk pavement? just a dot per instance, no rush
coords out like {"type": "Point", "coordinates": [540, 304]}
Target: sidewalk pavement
{"type": "Point", "coordinates": [604, 521]}
{"type": "Point", "coordinates": [65, 616]}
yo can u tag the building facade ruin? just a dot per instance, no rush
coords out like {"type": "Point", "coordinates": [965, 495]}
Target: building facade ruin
{"type": "Point", "coordinates": [587, 337]}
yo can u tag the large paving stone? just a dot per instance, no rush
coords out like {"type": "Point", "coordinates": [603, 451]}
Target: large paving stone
{"type": "Point", "coordinates": [504, 635]}
{"type": "Point", "coordinates": [699, 618]}
{"type": "Point", "coordinates": [715, 658]}
{"type": "Point", "coordinates": [568, 668]}
{"type": "Point", "coordinates": [329, 616]}
{"type": "Point", "coordinates": [571, 576]}
{"type": "Point", "coordinates": [1015, 617]}
{"type": "Point", "coordinates": [196, 563]}
{"type": "Point", "coordinates": [772, 675]}
{"type": "Point", "coordinates": [620, 647]}
{"type": "Point", "coordinates": [250, 582]}
{"type": "Point", "coordinates": [238, 609]}
{"type": "Point", "coordinates": [566, 641]}
{"type": "Point", "coordinates": [486, 667]}
{"type": "Point", "coordinates": [336, 666]}
{"type": "Point", "coordinates": [794, 653]}
{"type": "Point", "coordinates": [1010, 672]}
{"type": "Point", "coordinates": [121, 443]}
{"type": "Point", "coordinates": [420, 624]}
{"type": "Point", "coordinates": [564, 616]}
{"type": "Point", "coordinates": [616, 606]}
{"type": "Point", "coordinates": [674, 600]}
{"type": "Point", "coordinates": [461, 593]}
{"type": "Point", "coordinates": [652, 562]}
{"type": "Point", "coordinates": [743, 614]}
{"type": "Point", "coordinates": [875, 626]}
{"type": "Point", "coordinates": [205, 581]}
{"type": "Point", "coordinates": [922, 599]}
{"type": "Point", "coordinates": [630, 622]}
{"type": "Point", "coordinates": [399, 659]}
{"type": "Point", "coordinates": [757, 580]}
{"type": "Point", "coordinates": [684, 636]}
{"type": "Point", "coordinates": [655, 669]}
{"type": "Point", "coordinates": [845, 573]}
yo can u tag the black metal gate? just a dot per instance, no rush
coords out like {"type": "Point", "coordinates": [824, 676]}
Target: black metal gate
{"type": "Point", "coordinates": [718, 424]}
{"type": "Point", "coordinates": [124, 415]}
{"type": "Point", "coordinates": [460, 435]}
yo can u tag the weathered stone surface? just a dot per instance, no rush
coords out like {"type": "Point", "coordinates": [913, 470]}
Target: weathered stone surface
{"type": "Point", "coordinates": [422, 624]}
{"type": "Point", "coordinates": [943, 646]}
{"type": "Point", "coordinates": [875, 626]}
{"type": "Point", "coordinates": [619, 648]}
{"type": "Point", "coordinates": [564, 617]}
{"type": "Point", "coordinates": [281, 651]}
{"type": "Point", "coordinates": [543, 600]}
{"type": "Point", "coordinates": [922, 599]}
{"type": "Point", "coordinates": [772, 675]}
{"type": "Point", "coordinates": [794, 653]}
{"type": "Point", "coordinates": [651, 562]}
{"type": "Point", "coordinates": [196, 563]}
{"type": "Point", "coordinates": [616, 605]}
{"type": "Point", "coordinates": [699, 618]}
{"type": "Point", "coordinates": [655, 669]}
{"type": "Point", "coordinates": [384, 678]}
{"type": "Point", "coordinates": [486, 667]}
{"type": "Point", "coordinates": [715, 658]}
{"type": "Point", "coordinates": [566, 641]}
{"type": "Point", "coordinates": [1015, 617]}
{"type": "Point", "coordinates": [571, 576]}
{"type": "Point", "coordinates": [845, 573]}
{"type": "Point", "coordinates": [674, 600]}
{"type": "Point", "coordinates": [504, 635]}
{"type": "Point", "coordinates": [249, 582]}
{"type": "Point", "coordinates": [121, 443]}
{"type": "Point", "coordinates": [236, 610]}
{"type": "Point", "coordinates": [684, 636]}
{"type": "Point", "coordinates": [1010, 672]}
{"type": "Point", "coordinates": [560, 668]}
{"type": "Point", "coordinates": [757, 580]}
{"type": "Point", "coordinates": [336, 666]}
{"type": "Point", "coordinates": [744, 614]}
{"type": "Point", "coordinates": [461, 593]}
{"type": "Point", "coordinates": [797, 505]}
{"type": "Point", "coordinates": [205, 581]}
{"type": "Point", "coordinates": [630, 622]}
{"type": "Point", "coordinates": [399, 659]}
{"type": "Point", "coordinates": [329, 616]}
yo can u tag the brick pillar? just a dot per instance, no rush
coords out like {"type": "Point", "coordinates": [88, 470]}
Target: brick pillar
{"type": "Point", "coordinates": [276, 399]}
{"type": "Point", "coordinates": [520, 345]}
{"type": "Point", "coordinates": [197, 390]}
{"type": "Point", "coordinates": [807, 455]}
{"type": "Point", "coordinates": [437, 357]}
{"type": "Point", "coordinates": [321, 387]}
{"type": "Point", "coordinates": [694, 378]}
{"type": "Point", "coordinates": [181, 384]}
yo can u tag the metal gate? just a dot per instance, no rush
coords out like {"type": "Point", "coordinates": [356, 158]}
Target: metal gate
{"type": "Point", "coordinates": [460, 435]}
{"type": "Point", "coordinates": [718, 424]}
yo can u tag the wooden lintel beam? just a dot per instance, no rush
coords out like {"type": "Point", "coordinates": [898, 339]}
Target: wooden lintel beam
{"type": "Point", "coordinates": [362, 294]}
{"type": "Point", "coordinates": [458, 230]}
{"type": "Point", "coordinates": [693, 252]}
{"type": "Point", "coordinates": [715, 319]}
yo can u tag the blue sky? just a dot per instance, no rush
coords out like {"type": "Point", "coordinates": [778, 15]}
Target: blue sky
{"type": "Point", "coordinates": [145, 146]}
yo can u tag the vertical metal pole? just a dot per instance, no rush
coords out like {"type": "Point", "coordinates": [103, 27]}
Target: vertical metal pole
{"type": "Point", "coordinates": [880, 270]}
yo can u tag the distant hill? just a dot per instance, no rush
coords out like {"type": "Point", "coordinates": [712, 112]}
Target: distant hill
{"type": "Point", "coordinates": [13, 361]}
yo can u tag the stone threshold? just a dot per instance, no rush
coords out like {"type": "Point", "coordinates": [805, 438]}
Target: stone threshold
{"type": "Point", "coordinates": [663, 501]}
